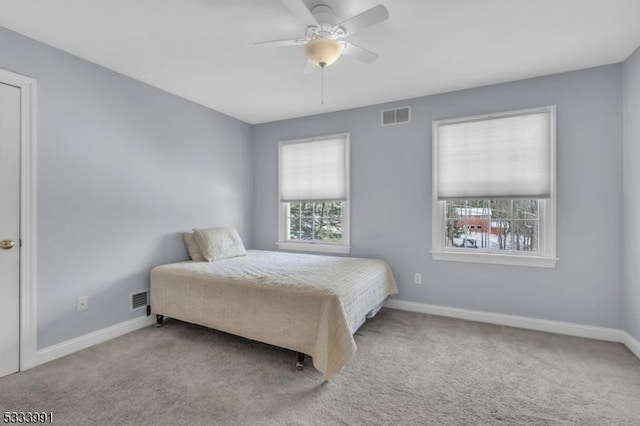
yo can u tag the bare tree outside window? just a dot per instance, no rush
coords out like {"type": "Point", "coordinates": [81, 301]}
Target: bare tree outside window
{"type": "Point", "coordinates": [315, 221]}
{"type": "Point", "coordinates": [500, 225]}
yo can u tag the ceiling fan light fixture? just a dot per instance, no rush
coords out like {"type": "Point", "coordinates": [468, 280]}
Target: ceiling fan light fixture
{"type": "Point", "coordinates": [323, 51]}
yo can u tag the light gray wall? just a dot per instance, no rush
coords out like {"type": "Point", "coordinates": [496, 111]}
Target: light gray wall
{"type": "Point", "coordinates": [631, 167]}
{"type": "Point", "coordinates": [391, 197]}
{"type": "Point", "coordinates": [122, 168]}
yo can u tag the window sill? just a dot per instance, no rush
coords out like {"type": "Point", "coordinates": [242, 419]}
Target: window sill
{"type": "Point", "coordinates": [496, 259]}
{"type": "Point", "coordinates": [315, 247]}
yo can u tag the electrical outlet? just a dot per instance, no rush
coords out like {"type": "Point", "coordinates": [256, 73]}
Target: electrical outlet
{"type": "Point", "coordinates": [83, 303]}
{"type": "Point", "coordinates": [417, 278]}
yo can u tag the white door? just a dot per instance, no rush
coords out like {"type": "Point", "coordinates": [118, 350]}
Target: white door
{"type": "Point", "coordinates": [9, 229]}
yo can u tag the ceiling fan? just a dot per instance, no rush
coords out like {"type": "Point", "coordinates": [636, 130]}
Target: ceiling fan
{"type": "Point", "coordinates": [324, 39]}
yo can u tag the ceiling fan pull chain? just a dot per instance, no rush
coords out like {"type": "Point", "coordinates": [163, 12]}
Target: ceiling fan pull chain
{"type": "Point", "coordinates": [322, 101]}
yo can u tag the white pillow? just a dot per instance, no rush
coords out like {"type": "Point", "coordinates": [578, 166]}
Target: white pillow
{"type": "Point", "coordinates": [192, 247]}
{"type": "Point", "coordinates": [219, 243]}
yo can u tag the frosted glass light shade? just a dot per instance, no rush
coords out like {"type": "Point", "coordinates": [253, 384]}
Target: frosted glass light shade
{"type": "Point", "coordinates": [323, 51]}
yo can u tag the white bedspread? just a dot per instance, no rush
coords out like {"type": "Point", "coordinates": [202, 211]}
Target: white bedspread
{"type": "Point", "coordinates": [301, 302]}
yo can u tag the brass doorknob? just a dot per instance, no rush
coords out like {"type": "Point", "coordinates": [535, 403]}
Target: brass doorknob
{"type": "Point", "coordinates": [7, 244]}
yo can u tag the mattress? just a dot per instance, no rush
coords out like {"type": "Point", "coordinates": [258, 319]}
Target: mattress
{"type": "Point", "coordinates": [306, 303]}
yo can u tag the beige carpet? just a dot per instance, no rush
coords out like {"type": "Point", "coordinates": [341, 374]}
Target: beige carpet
{"type": "Point", "coordinates": [409, 369]}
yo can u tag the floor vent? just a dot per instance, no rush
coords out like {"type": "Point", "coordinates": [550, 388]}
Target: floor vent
{"type": "Point", "coordinates": [396, 116]}
{"type": "Point", "coordinates": [139, 299]}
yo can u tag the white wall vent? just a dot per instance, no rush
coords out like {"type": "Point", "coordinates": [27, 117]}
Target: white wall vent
{"type": "Point", "coordinates": [139, 299]}
{"type": "Point", "coordinates": [396, 116]}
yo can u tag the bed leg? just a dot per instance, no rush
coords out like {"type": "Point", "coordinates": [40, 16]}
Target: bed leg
{"type": "Point", "coordinates": [300, 363]}
{"type": "Point", "coordinates": [159, 319]}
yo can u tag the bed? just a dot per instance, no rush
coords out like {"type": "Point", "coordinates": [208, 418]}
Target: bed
{"type": "Point", "coordinates": [306, 303]}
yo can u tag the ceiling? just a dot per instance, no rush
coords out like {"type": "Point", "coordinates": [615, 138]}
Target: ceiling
{"type": "Point", "coordinates": [203, 50]}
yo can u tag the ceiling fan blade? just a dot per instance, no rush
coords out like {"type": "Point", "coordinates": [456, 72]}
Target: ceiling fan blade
{"type": "Point", "coordinates": [298, 8]}
{"type": "Point", "coordinates": [365, 19]}
{"type": "Point", "coordinates": [310, 67]}
{"type": "Point", "coordinates": [285, 42]}
{"type": "Point", "coordinates": [359, 53]}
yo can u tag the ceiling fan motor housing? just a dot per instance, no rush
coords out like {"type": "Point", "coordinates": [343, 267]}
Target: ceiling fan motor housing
{"type": "Point", "coordinates": [323, 14]}
{"type": "Point", "coordinates": [324, 31]}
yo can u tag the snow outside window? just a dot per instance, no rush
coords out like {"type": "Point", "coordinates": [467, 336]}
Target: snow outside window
{"type": "Point", "coordinates": [494, 188]}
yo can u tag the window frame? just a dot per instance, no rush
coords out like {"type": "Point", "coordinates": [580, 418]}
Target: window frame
{"type": "Point", "coordinates": [546, 256]}
{"type": "Point", "coordinates": [342, 247]}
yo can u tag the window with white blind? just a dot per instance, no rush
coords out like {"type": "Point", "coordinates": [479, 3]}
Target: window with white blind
{"type": "Point", "coordinates": [494, 184]}
{"type": "Point", "coordinates": [313, 191]}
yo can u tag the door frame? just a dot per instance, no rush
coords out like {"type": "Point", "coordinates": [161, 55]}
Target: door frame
{"type": "Point", "coordinates": [28, 222]}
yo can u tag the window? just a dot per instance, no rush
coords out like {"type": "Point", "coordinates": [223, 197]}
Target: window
{"type": "Point", "coordinates": [494, 188]}
{"type": "Point", "coordinates": [314, 194]}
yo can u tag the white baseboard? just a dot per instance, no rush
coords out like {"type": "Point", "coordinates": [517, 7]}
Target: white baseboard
{"type": "Point", "coordinates": [82, 342]}
{"type": "Point", "coordinates": [631, 343]}
{"type": "Point", "coordinates": [592, 332]}
{"type": "Point", "coordinates": [558, 327]}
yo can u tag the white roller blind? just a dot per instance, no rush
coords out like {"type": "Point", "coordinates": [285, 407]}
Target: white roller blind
{"type": "Point", "coordinates": [504, 157]}
{"type": "Point", "coordinates": [314, 170]}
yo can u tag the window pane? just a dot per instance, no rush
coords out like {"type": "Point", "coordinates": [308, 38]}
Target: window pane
{"type": "Point", "coordinates": [495, 225]}
{"type": "Point", "coordinates": [300, 221]}
{"type": "Point", "coordinates": [328, 229]}
{"type": "Point", "coordinates": [500, 209]}
{"type": "Point", "coordinates": [456, 208]}
{"type": "Point", "coordinates": [453, 233]}
{"type": "Point", "coordinates": [525, 209]}
{"type": "Point", "coordinates": [526, 229]}
{"type": "Point", "coordinates": [525, 235]}
{"type": "Point", "coordinates": [328, 208]}
{"type": "Point", "coordinates": [315, 221]}
{"type": "Point", "coordinates": [293, 221]}
{"type": "Point", "coordinates": [500, 234]}
{"type": "Point", "coordinates": [333, 228]}
{"type": "Point", "coordinates": [467, 224]}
